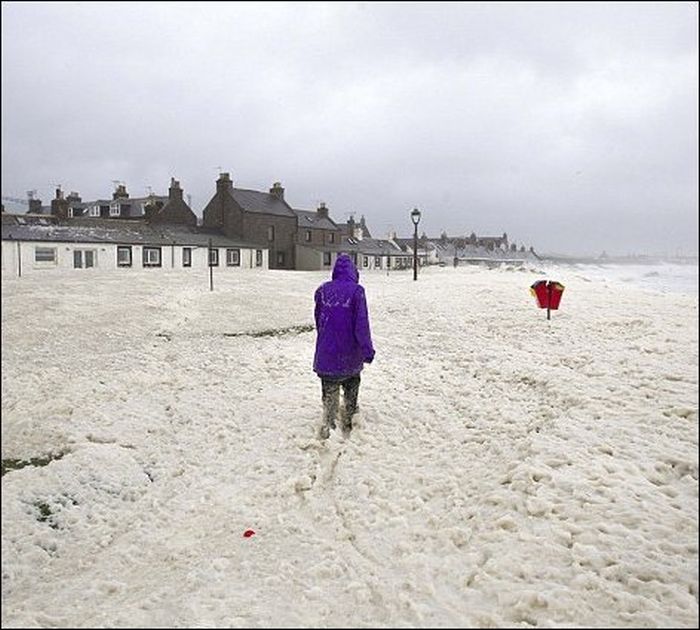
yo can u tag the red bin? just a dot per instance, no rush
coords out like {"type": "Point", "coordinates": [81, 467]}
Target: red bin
{"type": "Point", "coordinates": [548, 293]}
{"type": "Point", "coordinates": [555, 292]}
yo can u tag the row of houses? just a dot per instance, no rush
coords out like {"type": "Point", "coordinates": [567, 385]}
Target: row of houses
{"type": "Point", "coordinates": [240, 229]}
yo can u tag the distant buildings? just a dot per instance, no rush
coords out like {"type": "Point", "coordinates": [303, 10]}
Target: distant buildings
{"type": "Point", "coordinates": [247, 229]}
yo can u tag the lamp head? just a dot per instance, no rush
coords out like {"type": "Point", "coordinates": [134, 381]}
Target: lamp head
{"type": "Point", "coordinates": [415, 216]}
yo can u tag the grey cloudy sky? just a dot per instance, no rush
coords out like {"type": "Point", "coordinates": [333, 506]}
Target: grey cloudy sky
{"type": "Point", "coordinates": [571, 126]}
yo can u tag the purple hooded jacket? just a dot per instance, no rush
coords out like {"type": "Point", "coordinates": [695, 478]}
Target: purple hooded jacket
{"type": "Point", "coordinates": [343, 338]}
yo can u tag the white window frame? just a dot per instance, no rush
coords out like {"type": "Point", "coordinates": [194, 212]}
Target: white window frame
{"type": "Point", "coordinates": [45, 251]}
{"type": "Point", "coordinates": [152, 257]}
{"type": "Point", "coordinates": [377, 262]}
{"type": "Point", "coordinates": [121, 249]}
{"type": "Point", "coordinates": [83, 257]}
{"type": "Point", "coordinates": [186, 256]}
{"type": "Point", "coordinates": [115, 209]}
{"type": "Point", "coordinates": [258, 258]}
{"type": "Point", "coordinates": [307, 236]}
{"type": "Point", "coordinates": [365, 261]}
{"type": "Point", "coordinates": [331, 237]}
{"type": "Point", "coordinates": [214, 257]}
{"type": "Point", "coordinates": [95, 210]}
{"type": "Point", "coordinates": [233, 257]}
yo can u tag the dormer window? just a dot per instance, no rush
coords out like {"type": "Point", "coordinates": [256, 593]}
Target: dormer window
{"type": "Point", "coordinates": [114, 209]}
{"type": "Point", "coordinates": [95, 211]}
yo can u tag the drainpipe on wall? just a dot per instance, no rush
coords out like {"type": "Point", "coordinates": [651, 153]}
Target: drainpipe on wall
{"type": "Point", "coordinates": [19, 260]}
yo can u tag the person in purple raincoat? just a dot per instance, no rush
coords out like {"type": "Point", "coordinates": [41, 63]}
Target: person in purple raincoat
{"type": "Point", "coordinates": [343, 343]}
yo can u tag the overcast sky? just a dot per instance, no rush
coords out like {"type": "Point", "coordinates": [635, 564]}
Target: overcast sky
{"type": "Point", "coordinates": [573, 127]}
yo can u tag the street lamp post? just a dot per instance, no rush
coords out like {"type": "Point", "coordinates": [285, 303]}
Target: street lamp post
{"type": "Point", "coordinates": [415, 217]}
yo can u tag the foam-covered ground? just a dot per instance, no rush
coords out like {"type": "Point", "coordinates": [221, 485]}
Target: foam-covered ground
{"type": "Point", "coordinates": [504, 470]}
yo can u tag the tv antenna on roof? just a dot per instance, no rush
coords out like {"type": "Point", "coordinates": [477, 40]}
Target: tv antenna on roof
{"type": "Point", "coordinates": [219, 169]}
{"type": "Point", "coordinates": [31, 193]}
{"type": "Point", "coordinates": [149, 189]}
{"type": "Point", "coordinates": [117, 182]}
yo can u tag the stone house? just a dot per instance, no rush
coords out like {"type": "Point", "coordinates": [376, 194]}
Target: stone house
{"type": "Point", "coordinates": [258, 217]}
{"type": "Point", "coordinates": [318, 239]}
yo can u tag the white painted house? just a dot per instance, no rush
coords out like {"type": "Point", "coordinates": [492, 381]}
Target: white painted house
{"type": "Point", "coordinates": [36, 243]}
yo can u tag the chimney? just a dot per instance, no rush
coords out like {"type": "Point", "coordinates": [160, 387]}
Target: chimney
{"type": "Point", "coordinates": [59, 205]}
{"type": "Point", "coordinates": [73, 197]}
{"type": "Point", "coordinates": [322, 211]}
{"type": "Point", "coordinates": [277, 191]}
{"type": "Point", "coordinates": [174, 192]}
{"type": "Point", "coordinates": [35, 206]}
{"type": "Point", "coordinates": [224, 183]}
{"type": "Point", "coordinates": [120, 192]}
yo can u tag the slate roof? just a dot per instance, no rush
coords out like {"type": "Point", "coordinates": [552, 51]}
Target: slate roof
{"type": "Point", "coordinates": [122, 231]}
{"type": "Point", "coordinates": [310, 219]}
{"type": "Point", "coordinates": [367, 246]}
{"type": "Point", "coordinates": [260, 202]}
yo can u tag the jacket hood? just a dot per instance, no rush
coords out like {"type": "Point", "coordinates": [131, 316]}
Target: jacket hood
{"type": "Point", "coordinates": [345, 269]}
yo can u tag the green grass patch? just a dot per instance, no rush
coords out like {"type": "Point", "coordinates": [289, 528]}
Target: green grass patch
{"type": "Point", "coordinates": [16, 464]}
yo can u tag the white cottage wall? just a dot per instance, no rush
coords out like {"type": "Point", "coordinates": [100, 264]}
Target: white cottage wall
{"type": "Point", "coordinates": [20, 257]}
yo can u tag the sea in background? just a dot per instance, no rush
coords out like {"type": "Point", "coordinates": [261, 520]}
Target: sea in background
{"type": "Point", "coordinates": [662, 277]}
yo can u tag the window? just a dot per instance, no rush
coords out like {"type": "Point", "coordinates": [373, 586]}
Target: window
{"type": "Point", "coordinates": [84, 258]}
{"type": "Point", "coordinates": [365, 261]}
{"type": "Point", "coordinates": [114, 209]}
{"type": "Point", "coordinates": [186, 256]}
{"type": "Point", "coordinates": [271, 233]}
{"type": "Point", "coordinates": [331, 237]}
{"type": "Point", "coordinates": [71, 212]}
{"type": "Point", "coordinates": [151, 257]}
{"type": "Point", "coordinates": [233, 257]}
{"type": "Point", "coordinates": [124, 256]}
{"type": "Point", "coordinates": [45, 254]}
{"type": "Point", "coordinates": [213, 257]}
{"type": "Point", "coordinates": [307, 236]}
{"type": "Point", "coordinates": [280, 258]}
{"type": "Point", "coordinates": [95, 211]}
{"type": "Point", "coordinates": [326, 259]}
{"type": "Point", "coordinates": [378, 262]}
{"type": "Point", "coordinates": [258, 258]}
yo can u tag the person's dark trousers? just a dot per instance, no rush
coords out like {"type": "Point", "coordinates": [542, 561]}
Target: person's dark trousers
{"type": "Point", "coordinates": [330, 388]}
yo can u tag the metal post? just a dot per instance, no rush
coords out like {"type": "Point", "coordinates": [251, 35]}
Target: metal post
{"type": "Point", "coordinates": [415, 251]}
{"type": "Point", "coordinates": [19, 260]}
{"type": "Point", "coordinates": [211, 268]}
{"type": "Point", "coordinates": [549, 297]}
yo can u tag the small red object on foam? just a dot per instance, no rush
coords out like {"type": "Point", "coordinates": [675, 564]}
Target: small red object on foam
{"type": "Point", "coordinates": [248, 533]}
